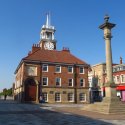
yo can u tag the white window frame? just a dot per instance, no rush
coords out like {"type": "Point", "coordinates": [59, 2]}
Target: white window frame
{"type": "Point", "coordinates": [43, 67]}
{"type": "Point", "coordinates": [121, 78]}
{"type": "Point", "coordinates": [117, 82]}
{"type": "Point", "coordinates": [70, 67]}
{"type": "Point", "coordinates": [71, 97]}
{"type": "Point", "coordinates": [114, 79]}
{"type": "Point", "coordinates": [47, 81]}
{"type": "Point", "coordinates": [56, 100]}
{"type": "Point", "coordinates": [46, 96]}
{"type": "Point", "coordinates": [59, 80]}
{"type": "Point", "coordinates": [72, 82]}
{"type": "Point", "coordinates": [83, 82]}
{"type": "Point", "coordinates": [81, 98]}
{"type": "Point", "coordinates": [58, 66]}
{"type": "Point", "coordinates": [80, 70]}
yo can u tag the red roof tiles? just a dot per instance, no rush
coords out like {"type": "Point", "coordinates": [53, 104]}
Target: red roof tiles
{"type": "Point", "coordinates": [54, 56]}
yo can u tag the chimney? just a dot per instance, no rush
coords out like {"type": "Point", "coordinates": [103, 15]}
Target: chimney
{"type": "Point", "coordinates": [120, 60]}
{"type": "Point", "coordinates": [66, 49]}
{"type": "Point", "coordinates": [35, 47]}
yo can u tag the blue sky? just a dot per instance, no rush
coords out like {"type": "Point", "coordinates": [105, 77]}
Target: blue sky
{"type": "Point", "coordinates": [76, 23]}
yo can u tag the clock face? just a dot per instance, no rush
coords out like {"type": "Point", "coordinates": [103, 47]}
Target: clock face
{"type": "Point", "coordinates": [49, 46]}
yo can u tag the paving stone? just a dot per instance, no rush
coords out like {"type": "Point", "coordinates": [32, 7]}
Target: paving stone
{"type": "Point", "coordinates": [13, 113]}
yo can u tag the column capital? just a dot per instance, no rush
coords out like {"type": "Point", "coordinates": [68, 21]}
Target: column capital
{"type": "Point", "coordinates": [107, 36]}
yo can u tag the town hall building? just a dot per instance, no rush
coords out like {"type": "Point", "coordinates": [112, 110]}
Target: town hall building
{"type": "Point", "coordinates": [56, 76]}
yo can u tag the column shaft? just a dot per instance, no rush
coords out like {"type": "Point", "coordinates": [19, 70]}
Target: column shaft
{"type": "Point", "coordinates": [109, 60]}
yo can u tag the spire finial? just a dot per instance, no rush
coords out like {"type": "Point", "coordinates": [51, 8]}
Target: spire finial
{"type": "Point", "coordinates": [48, 19]}
{"type": "Point", "coordinates": [106, 18]}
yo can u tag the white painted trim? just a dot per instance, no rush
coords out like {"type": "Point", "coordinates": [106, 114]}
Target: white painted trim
{"type": "Point", "coordinates": [47, 67]}
{"type": "Point", "coordinates": [72, 82]}
{"type": "Point", "coordinates": [117, 80]}
{"type": "Point", "coordinates": [60, 97]}
{"type": "Point", "coordinates": [121, 78]}
{"type": "Point", "coordinates": [83, 70]}
{"type": "Point", "coordinates": [60, 81]}
{"type": "Point", "coordinates": [72, 69]}
{"type": "Point", "coordinates": [47, 98]}
{"type": "Point", "coordinates": [60, 69]}
{"type": "Point", "coordinates": [47, 80]}
{"type": "Point", "coordinates": [83, 82]}
{"type": "Point", "coordinates": [72, 97]}
{"type": "Point", "coordinates": [85, 97]}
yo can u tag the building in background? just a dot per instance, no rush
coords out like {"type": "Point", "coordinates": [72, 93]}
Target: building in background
{"type": "Point", "coordinates": [52, 75]}
{"type": "Point", "coordinates": [97, 80]}
{"type": "Point", "coordinates": [119, 79]}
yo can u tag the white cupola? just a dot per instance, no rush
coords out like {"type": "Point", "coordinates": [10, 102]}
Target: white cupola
{"type": "Point", "coordinates": [47, 30]}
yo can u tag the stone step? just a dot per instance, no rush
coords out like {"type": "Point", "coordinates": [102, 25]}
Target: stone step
{"type": "Point", "coordinates": [110, 111]}
{"type": "Point", "coordinates": [106, 108]}
{"type": "Point", "coordinates": [106, 104]}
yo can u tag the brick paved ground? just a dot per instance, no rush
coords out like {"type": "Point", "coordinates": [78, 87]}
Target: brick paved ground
{"type": "Point", "coordinates": [12, 113]}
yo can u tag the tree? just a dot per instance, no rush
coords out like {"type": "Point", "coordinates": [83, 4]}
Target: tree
{"type": "Point", "coordinates": [9, 92]}
{"type": "Point", "coordinates": [1, 93]}
{"type": "Point", "coordinates": [4, 91]}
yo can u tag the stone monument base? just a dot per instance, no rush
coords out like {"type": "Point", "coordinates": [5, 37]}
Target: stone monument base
{"type": "Point", "coordinates": [111, 104]}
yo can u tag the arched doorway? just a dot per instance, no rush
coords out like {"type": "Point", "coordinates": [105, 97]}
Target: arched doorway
{"type": "Point", "coordinates": [30, 89]}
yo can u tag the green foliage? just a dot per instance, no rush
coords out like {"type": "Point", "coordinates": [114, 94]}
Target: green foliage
{"type": "Point", "coordinates": [9, 92]}
{"type": "Point", "coordinates": [6, 92]}
{"type": "Point", "coordinates": [1, 94]}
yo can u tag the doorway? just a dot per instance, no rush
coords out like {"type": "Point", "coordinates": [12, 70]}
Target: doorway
{"type": "Point", "coordinates": [30, 90]}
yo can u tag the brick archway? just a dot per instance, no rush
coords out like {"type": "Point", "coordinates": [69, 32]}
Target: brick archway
{"type": "Point", "coordinates": [30, 89]}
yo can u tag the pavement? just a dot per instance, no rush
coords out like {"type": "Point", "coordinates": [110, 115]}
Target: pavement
{"type": "Point", "coordinates": [14, 113]}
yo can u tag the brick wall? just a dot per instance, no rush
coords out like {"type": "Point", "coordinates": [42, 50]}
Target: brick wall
{"type": "Point", "coordinates": [64, 75]}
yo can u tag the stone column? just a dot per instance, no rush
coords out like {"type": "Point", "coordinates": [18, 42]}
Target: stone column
{"type": "Point", "coordinates": [108, 57]}
{"type": "Point", "coordinates": [110, 87]}
{"type": "Point", "coordinates": [111, 103]}
{"type": "Point", "coordinates": [107, 36]}
{"type": "Point", "coordinates": [37, 91]}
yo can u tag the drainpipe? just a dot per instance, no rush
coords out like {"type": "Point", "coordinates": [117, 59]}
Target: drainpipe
{"type": "Point", "coordinates": [75, 84]}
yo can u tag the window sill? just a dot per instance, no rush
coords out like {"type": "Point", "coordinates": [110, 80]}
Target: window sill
{"type": "Point", "coordinates": [44, 85]}
{"type": "Point", "coordinates": [57, 101]}
{"type": "Point", "coordinates": [57, 72]}
{"type": "Point", "coordinates": [70, 101]}
{"type": "Point", "coordinates": [83, 101]}
{"type": "Point", "coordinates": [70, 72]}
{"type": "Point", "coordinates": [44, 71]}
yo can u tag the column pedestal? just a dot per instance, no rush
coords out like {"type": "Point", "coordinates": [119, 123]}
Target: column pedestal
{"type": "Point", "coordinates": [111, 104]}
{"type": "Point", "coordinates": [110, 95]}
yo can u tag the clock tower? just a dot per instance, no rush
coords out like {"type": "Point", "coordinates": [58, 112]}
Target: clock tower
{"type": "Point", "coordinates": [47, 40]}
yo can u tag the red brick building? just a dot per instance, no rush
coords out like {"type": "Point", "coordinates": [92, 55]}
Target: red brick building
{"type": "Point", "coordinates": [55, 76]}
{"type": "Point", "coordinates": [119, 79]}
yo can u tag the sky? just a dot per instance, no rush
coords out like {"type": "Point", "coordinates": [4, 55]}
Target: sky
{"type": "Point", "coordinates": [76, 23]}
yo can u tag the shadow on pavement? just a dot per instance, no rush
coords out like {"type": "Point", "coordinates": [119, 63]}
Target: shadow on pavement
{"type": "Point", "coordinates": [14, 113]}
